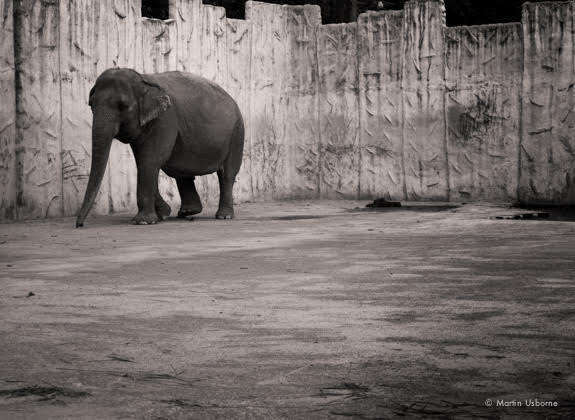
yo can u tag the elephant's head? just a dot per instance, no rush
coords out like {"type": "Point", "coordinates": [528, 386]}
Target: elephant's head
{"type": "Point", "coordinates": [123, 102]}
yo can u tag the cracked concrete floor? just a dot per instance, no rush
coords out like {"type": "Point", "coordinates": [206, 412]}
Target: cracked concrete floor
{"type": "Point", "coordinates": [293, 310]}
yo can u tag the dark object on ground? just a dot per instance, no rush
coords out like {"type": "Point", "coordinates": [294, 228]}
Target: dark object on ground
{"type": "Point", "coordinates": [46, 392]}
{"type": "Point", "coordinates": [417, 207]}
{"type": "Point", "coordinates": [555, 213]}
{"type": "Point", "coordinates": [525, 216]}
{"type": "Point", "coordinates": [382, 202]}
{"type": "Point", "coordinates": [30, 294]}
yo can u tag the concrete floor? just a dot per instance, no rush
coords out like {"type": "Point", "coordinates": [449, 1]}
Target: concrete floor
{"type": "Point", "coordinates": [293, 310]}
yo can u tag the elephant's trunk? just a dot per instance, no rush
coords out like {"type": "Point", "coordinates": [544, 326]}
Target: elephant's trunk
{"type": "Point", "coordinates": [102, 135]}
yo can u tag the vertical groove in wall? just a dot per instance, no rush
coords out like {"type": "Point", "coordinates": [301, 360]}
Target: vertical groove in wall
{"type": "Point", "coordinates": [402, 101]}
{"type": "Point", "coordinates": [521, 92]}
{"type": "Point", "coordinates": [358, 101]}
{"type": "Point", "coordinates": [18, 161]}
{"type": "Point", "coordinates": [7, 113]}
{"type": "Point", "coordinates": [247, 11]}
{"type": "Point", "coordinates": [109, 164]}
{"type": "Point", "coordinates": [61, 128]}
{"type": "Point", "coordinates": [318, 148]}
{"type": "Point", "coordinates": [249, 104]}
{"type": "Point", "coordinates": [443, 27]}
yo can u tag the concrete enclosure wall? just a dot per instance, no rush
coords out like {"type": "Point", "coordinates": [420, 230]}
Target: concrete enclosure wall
{"type": "Point", "coordinates": [395, 105]}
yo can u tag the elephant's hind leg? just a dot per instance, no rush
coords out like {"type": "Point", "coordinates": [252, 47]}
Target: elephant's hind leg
{"type": "Point", "coordinates": [191, 203]}
{"type": "Point", "coordinates": [163, 209]}
{"type": "Point", "coordinates": [227, 174]}
{"type": "Point", "coordinates": [226, 205]}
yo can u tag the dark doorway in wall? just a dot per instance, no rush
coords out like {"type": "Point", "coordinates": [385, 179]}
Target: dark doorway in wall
{"type": "Point", "coordinates": [156, 9]}
{"type": "Point", "coordinates": [235, 9]}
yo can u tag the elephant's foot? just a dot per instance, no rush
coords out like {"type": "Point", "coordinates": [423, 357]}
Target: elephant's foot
{"type": "Point", "coordinates": [163, 210]}
{"type": "Point", "coordinates": [225, 213]}
{"type": "Point", "coordinates": [187, 213]}
{"type": "Point", "coordinates": [145, 219]}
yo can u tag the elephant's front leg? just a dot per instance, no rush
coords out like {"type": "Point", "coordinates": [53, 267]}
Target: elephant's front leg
{"type": "Point", "coordinates": [147, 192]}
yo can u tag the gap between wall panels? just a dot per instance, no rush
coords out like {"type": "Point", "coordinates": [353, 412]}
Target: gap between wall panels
{"type": "Point", "coordinates": [395, 105]}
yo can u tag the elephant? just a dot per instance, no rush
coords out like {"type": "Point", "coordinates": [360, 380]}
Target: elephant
{"type": "Point", "coordinates": [178, 122]}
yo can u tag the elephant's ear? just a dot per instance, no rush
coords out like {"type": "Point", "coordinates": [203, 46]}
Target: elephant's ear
{"type": "Point", "coordinates": [153, 101]}
{"type": "Point", "coordinates": [90, 96]}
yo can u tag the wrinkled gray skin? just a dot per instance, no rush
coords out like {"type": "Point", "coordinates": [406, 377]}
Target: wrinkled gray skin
{"type": "Point", "coordinates": [178, 122]}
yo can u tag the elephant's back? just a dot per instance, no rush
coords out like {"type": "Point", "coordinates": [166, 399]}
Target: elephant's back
{"type": "Point", "coordinates": [190, 90]}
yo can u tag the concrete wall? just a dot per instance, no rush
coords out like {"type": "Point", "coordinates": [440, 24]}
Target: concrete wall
{"type": "Point", "coordinates": [8, 178]}
{"type": "Point", "coordinates": [394, 105]}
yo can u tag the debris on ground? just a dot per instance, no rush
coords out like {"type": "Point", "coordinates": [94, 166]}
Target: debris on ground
{"type": "Point", "coordinates": [181, 403]}
{"type": "Point", "coordinates": [119, 358]}
{"type": "Point", "coordinates": [46, 392]}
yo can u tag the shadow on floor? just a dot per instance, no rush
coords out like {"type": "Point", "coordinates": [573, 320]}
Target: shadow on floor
{"type": "Point", "coordinates": [548, 213]}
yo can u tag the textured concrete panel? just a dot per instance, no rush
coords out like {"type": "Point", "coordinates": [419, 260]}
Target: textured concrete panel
{"type": "Point", "coordinates": [424, 149]}
{"type": "Point", "coordinates": [548, 142]}
{"type": "Point", "coordinates": [380, 104]}
{"type": "Point", "coordinates": [38, 122]}
{"type": "Point", "coordinates": [267, 118]}
{"type": "Point", "coordinates": [483, 74]}
{"type": "Point", "coordinates": [300, 94]}
{"type": "Point", "coordinates": [189, 20]}
{"type": "Point", "coordinates": [339, 111]}
{"type": "Point", "coordinates": [82, 58]}
{"type": "Point", "coordinates": [239, 33]}
{"type": "Point", "coordinates": [7, 114]}
{"type": "Point", "coordinates": [214, 54]}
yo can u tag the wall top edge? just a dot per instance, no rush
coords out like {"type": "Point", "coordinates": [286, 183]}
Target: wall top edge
{"type": "Point", "coordinates": [339, 25]}
{"type": "Point", "coordinates": [252, 3]}
{"type": "Point", "coordinates": [547, 3]}
{"type": "Point", "coordinates": [487, 26]}
{"type": "Point", "coordinates": [394, 13]}
{"type": "Point", "coordinates": [154, 20]}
